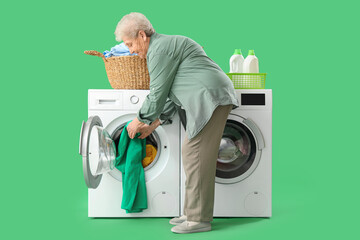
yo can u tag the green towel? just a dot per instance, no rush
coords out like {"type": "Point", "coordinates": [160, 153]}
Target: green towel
{"type": "Point", "coordinates": [131, 153]}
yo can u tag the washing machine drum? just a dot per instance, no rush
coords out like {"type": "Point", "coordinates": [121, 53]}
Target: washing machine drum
{"type": "Point", "coordinates": [151, 147]}
{"type": "Point", "coordinates": [237, 151]}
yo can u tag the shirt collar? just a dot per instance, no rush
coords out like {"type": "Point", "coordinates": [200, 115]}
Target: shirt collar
{"type": "Point", "coordinates": [152, 38]}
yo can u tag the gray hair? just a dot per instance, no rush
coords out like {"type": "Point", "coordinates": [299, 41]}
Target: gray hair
{"type": "Point", "coordinates": [131, 24]}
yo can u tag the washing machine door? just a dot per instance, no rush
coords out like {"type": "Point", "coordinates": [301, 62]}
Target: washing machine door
{"type": "Point", "coordinates": [97, 150]}
{"type": "Point", "coordinates": [239, 151]}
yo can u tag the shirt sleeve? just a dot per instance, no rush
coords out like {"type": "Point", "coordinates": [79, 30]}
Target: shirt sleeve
{"type": "Point", "coordinates": [162, 71]}
{"type": "Point", "coordinates": [168, 112]}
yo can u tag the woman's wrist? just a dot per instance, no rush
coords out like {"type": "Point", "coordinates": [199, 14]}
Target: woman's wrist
{"type": "Point", "coordinates": [157, 123]}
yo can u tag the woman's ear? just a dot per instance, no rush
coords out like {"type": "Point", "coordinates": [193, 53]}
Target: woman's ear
{"type": "Point", "coordinates": [142, 35]}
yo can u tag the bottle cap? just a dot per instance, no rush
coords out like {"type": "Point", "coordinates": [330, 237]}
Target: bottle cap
{"type": "Point", "coordinates": [237, 51]}
{"type": "Point", "coordinates": [251, 52]}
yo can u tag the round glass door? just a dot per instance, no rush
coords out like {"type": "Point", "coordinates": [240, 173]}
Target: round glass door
{"type": "Point", "coordinates": [97, 150]}
{"type": "Point", "coordinates": [238, 153]}
{"type": "Point", "coordinates": [101, 151]}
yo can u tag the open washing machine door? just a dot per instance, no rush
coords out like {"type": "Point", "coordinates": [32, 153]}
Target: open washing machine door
{"type": "Point", "coordinates": [97, 149]}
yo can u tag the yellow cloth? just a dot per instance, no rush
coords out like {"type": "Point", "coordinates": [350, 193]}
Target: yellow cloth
{"type": "Point", "coordinates": [150, 155]}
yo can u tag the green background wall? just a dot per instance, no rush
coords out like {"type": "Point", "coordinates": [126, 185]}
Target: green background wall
{"type": "Point", "coordinates": [310, 50]}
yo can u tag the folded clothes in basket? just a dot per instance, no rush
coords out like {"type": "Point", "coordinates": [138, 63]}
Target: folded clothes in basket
{"type": "Point", "coordinates": [118, 50]}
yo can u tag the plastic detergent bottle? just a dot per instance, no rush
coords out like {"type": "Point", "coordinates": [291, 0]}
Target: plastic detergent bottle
{"type": "Point", "coordinates": [236, 62]}
{"type": "Point", "coordinates": [251, 63]}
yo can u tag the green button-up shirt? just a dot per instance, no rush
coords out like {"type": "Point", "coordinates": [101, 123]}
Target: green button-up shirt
{"type": "Point", "coordinates": [181, 73]}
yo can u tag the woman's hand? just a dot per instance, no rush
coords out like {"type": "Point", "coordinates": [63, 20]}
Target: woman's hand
{"type": "Point", "coordinates": [146, 130]}
{"type": "Point", "coordinates": [134, 127]}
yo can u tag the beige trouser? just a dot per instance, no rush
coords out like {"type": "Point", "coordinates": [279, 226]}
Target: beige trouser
{"type": "Point", "coordinates": [199, 160]}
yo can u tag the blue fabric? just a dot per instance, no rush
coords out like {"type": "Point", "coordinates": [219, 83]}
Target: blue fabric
{"type": "Point", "coordinates": [131, 153]}
{"type": "Point", "coordinates": [119, 50]}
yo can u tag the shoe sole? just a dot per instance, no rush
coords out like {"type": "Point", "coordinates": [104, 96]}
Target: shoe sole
{"type": "Point", "coordinates": [205, 229]}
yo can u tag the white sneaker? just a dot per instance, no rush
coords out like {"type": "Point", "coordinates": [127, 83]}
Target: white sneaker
{"type": "Point", "coordinates": [178, 220]}
{"type": "Point", "coordinates": [192, 227]}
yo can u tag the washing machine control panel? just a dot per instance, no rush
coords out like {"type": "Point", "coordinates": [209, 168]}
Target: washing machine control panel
{"type": "Point", "coordinates": [253, 99]}
{"type": "Point", "coordinates": [134, 99]}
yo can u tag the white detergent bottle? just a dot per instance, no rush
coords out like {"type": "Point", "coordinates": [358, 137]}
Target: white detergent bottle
{"type": "Point", "coordinates": [236, 62]}
{"type": "Point", "coordinates": [251, 63]}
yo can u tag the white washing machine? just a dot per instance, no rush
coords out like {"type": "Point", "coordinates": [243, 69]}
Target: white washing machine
{"type": "Point", "coordinates": [108, 112]}
{"type": "Point", "coordinates": [244, 168]}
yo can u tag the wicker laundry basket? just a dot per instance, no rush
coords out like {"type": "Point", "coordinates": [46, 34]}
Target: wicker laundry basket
{"type": "Point", "coordinates": [125, 72]}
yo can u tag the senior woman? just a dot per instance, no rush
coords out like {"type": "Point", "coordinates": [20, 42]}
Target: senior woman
{"type": "Point", "coordinates": [182, 75]}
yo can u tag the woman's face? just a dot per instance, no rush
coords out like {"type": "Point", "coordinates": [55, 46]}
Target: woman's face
{"type": "Point", "coordinates": [139, 45]}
